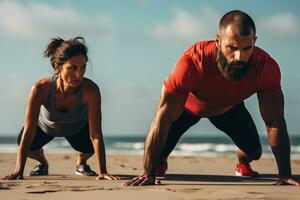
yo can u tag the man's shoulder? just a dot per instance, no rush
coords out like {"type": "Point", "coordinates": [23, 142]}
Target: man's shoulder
{"type": "Point", "coordinates": [202, 54]}
{"type": "Point", "coordinates": [201, 46]}
{"type": "Point", "coordinates": [264, 68]}
{"type": "Point", "coordinates": [260, 55]}
{"type": "Point", "coordinates": [263, 61]}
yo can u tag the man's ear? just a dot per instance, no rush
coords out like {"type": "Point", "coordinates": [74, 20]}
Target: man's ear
{"type": "Point", "coordinates": [218, 41]}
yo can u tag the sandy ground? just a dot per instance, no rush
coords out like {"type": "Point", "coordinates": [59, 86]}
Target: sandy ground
{"type": "Point", "coordinates": [188, 177]}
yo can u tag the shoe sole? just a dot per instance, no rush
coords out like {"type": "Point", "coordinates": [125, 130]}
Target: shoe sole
{"type": "Point", "coordinates": [240, 174]}
{"type": "Point", "coordinates": [78, 173]}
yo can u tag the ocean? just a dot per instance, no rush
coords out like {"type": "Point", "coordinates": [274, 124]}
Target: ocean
{"type": "Point", "coordinates": [188, 145]}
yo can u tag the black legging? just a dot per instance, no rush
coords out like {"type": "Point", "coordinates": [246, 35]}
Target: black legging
{"type": "Point", "coordinates": [237, 123]}
{"type": "Point", "coordinates": [80, 141]}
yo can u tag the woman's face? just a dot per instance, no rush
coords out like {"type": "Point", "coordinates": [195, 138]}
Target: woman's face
{"type": "Point", "coordinates": [72, 71]}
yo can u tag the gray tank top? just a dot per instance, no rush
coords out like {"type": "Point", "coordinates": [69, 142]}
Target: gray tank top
{"type": "Point", "coordinates": [62, 124]}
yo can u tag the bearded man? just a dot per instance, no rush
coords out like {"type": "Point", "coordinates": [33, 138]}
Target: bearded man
{"type": "Point", "coordinates": [211, 79]}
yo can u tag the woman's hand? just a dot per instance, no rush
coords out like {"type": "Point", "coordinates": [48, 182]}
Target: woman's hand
{"type": "Point", "coordinates": [13, 176]}
{"type": "Point", "coordinates": [107, 177]}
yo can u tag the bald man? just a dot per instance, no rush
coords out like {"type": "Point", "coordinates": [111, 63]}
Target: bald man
{"type": "Point", "coordinates": [211, 79]}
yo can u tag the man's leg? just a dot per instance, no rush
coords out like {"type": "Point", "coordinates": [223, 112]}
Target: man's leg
{"type": "Point", "coordinates": [238, 124]}
{"type": "Point", "coordinates": [178, 128]}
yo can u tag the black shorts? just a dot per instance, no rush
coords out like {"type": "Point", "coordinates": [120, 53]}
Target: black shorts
{"type": "Point", "coordinates": [237, 123]}
{"type": "Point", "coordinates": [80, 141]}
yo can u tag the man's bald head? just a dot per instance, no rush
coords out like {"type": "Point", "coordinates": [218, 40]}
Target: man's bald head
{"type": "Point", "coordinates": [241, 20]}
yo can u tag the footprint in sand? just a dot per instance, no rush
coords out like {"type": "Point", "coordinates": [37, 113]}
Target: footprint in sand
{"type": "Point", "coordinates": [43, 191]}
{"type": "Point", "coordinates": [49, 182]}
{"type": "Point", "coordinates": [49, 188]}
{"type": "Point", "coordinates": [66, 157]}
{"type": "Point", "coordinates": [82, 189]}
{"type": "Point", "coordinates": [13, 184]}
{"type": "Point", "coordinates": [187, 190]}
{"type": "Point", "coordinates": [4, 187]}
{"type": "Point", "coordinates": [254, 193]}
{"type": "Point", "coordinates": [33, 186]}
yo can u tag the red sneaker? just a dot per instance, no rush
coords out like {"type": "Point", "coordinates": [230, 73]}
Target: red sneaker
{"type": "Point", "coordinates": [161, 170]}
{"type": "Point", "coordinates": [245, 170]}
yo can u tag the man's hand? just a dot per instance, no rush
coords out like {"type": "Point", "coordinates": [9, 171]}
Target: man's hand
{"type": "Point", "coordinates": [288, 181]}
{"type": "Point", "coordinates": [13, 176]}
{"type": "Point", "coordinates": [107, 177]}
{"type": "Point", "coordinates": [142, 181]}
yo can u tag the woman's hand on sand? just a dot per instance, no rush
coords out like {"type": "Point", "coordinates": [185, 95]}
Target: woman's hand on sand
{"type": "Point", "coordinates": [142, 181]}
{"type": "Point", "coordinates": [13, 176]}
{"type": "Point", "coordinates": [107, 177]}
{"type": "Point", "coordinates": [288, 181]}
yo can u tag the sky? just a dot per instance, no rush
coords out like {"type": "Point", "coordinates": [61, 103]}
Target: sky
{"type": "Point", "coordinates": [133, 45]}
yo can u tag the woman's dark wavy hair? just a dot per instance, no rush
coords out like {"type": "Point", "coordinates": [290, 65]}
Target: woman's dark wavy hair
{"type": "Point", "coordinates": [59, 50]}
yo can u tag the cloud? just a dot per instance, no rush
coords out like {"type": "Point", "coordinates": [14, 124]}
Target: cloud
{"type": "Point", "coordinates": [280, 25]}
{"type": "Point", "coordinates": [186, 26]}
{"type": "Point", "coordinates": [40, 20]}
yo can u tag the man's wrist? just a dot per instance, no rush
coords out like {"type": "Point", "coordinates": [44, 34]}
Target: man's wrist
{"type": "Point", "coordinates": [285, 175]}
{"type": "Point", "coordinates": [149, 172]}
{"type": "Point", "coordinates": [103, 171]}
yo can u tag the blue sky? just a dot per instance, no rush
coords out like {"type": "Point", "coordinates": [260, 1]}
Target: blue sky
{"type": "Point", "coordinates": [132, 47]}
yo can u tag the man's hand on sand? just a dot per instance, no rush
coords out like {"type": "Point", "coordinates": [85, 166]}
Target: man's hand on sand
{"type": "Point", "coordinates": [142, 181]}
{"type": "Point", "coordinates": [288, 181]}
{"type": "Point", "coordinates": [13, 176]}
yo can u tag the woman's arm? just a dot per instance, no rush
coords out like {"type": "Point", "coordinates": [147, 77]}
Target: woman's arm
{"type": "Point", "coordinates": [95, 129]}
{"type": "Point", "coordinates": [35, 101]}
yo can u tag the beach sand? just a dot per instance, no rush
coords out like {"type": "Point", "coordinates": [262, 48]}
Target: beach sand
{"type": "Point", "coordinates": [188, 177]}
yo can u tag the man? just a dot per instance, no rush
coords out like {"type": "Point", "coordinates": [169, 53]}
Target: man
{"type": "Point", "coordinates": [211, 79]}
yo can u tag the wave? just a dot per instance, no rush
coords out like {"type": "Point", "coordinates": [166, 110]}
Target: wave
{"type": "Point", "coordinates": [137, 148]}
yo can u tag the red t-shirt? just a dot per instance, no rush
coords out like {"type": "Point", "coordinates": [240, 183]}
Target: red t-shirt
{"type": "Point", "coordinates": [196, 76]}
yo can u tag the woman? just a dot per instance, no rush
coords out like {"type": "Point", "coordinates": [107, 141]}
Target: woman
{"type": "Point", "coordinates": [64, 105]}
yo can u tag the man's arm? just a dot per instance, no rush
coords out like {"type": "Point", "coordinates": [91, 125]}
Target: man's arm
{"type": "Point", "coordinates": [169, 109]}
{"type": "Point", "coordinates": [272, 112]}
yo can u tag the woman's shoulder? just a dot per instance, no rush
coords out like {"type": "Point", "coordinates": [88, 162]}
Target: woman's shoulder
{"type": "Point", "coordinates": [43, 82]}
{"type": "Point", "coordinates": [89, 85]}
{"type": "Point", "coordinates": [91, 91]}
{"type": "Point", "coordinates": [43, 85]}
{"type": "Point", "coordinates": [40, 90]}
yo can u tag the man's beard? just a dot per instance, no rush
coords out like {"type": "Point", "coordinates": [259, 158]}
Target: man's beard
{"type": "Point", "coordinates": [232, 71]}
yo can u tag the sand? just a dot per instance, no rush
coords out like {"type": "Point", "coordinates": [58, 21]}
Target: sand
{"type": "Point", "coordinates": [189, 177]}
